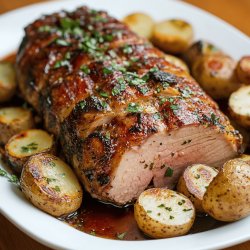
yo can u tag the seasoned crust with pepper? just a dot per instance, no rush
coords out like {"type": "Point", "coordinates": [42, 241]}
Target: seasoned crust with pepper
{"type": "Point", "coordinates": [125, 115]}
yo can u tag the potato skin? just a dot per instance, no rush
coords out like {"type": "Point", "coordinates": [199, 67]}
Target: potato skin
{"type": "Point", "coordinates": [142, 24]}
{"type": "Point", "coordinates": [239, 106]}
{"type": "Point", "coordinates": [7, 81]}
{"type": "Point", "coordinates": [199, 49]}
{"type": "Point", "coordinates": [227, 197]}
{"type": "Point", "coordinates": [172, 42]}
{"type": "Point", "coordinates": [186, 187]}
{"type": "Point", "coordinates": [36, 189]}
{"type": "Point", "coordinates": [177, 62]}
{"type": "Point", "coordinates": [216, 75]}
{"type": "Point", "coordinates": [7, 130]}
{"type": "Point", "coordinates": [17, 163]}
{"type": "Point", "coordinates": [156, 229]}
{"type": "Point", "coordinates": [243, 70]}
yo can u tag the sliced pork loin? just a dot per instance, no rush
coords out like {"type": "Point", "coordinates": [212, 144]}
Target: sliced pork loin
{"type": "Point", "coordinates": [126, 117]}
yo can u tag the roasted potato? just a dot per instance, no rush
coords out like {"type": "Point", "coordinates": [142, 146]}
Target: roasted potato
{"type": "Point", "coordinates": [243, 70]}
{"type": "Point", "coordinates": [7, 81]}
{"type": "Point", "coordinates": [245, 158]}
{"type": "Point", "coordinates": [199, 49]}
{"type": "Point", "coordinates": [227, 197]}
{"type": "Point", "coordinates": [162, 213]}
{"type": "Point", "coordinates": [216, 75]}
{"type": "Point", "coordinates": [50, 184]}
{"type": "Point", "coordinates": [194, 182]}
{"type": "Point", "coordinates": [177, 62]}
{"type": "Point", "coordinates": [13, 120]}
{"type": "Point", "coordinates": [140, 23]}
{"type": "Point", "coordinates": [239, 106]}
{"type": "Point", "coordinates": [172, 36]}
{"type": "Point", "coordinates": [25, 144]}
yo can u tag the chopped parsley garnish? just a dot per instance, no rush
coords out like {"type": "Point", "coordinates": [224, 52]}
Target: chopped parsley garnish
{"type": "Point", "coordinates": [45, 28]}
{"type": "Point", "coordinates": [121, 236]}
{"type": "Point", "coordinates": [197, 176]}
{"type": "Point", "coordinates": [171, 217]}
{"type": "Point", "coordinates": [49, 180]}
{"type": "Point", "coordinates": [157, 116]}
{"type": "Point", "coordinates": [68, 23]}
{"type": "Point", "coordinates": [127, 49]}
{"type": "Point", "coordinates": [186, 210]}
{"type": "Point", "coordinates": [214, 119]}
{"type": "Point", "coordinates": [133, 108]}
{"type": "Point", "coordinates": [180, 203]}
{"type": "Point", "coordinates": [104, 94]}
{"type": "Point", "coordinates": [161, 206]}
{"type": "Point", "coordinates": [169, 172]}
{"type": "Point", "coordinates": [119, 87]}
{"type": "Point", "coordinates": [85, 69]}
{"type": "Point", "coordinates": [82, 104]}
{"type": "Point", "coordinates": [149, 211]}
{"type": "Point", "coordinates": [168, 209]}
{"type": "Point", "coordinates": [57, 188]}
{"type": "Point", "coordinates": [174, 107]}
{"type": "Point", "coordinates": [107, 71]}
{"type": "Point", "coordinates": [29, 148]}
{"type": "Point", "coordinates": [62, 42]}
{"type": "Point", "coordinates": [61, 63]}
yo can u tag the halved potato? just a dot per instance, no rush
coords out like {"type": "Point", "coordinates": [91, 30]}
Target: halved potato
{"type": "Point", "coordinates": [13, 120]}
{"type": "Point", "coordinates": [194, 182]}
{"type": "Point", "coordinates": [25, 144]}
{"type": "Point", "coordinates": [142, 24]}
{"type": "Point", "coordinates": [243, 70]}
{"type": "Point", "coordinates": [50, 184]}
{"type": "Point", "coordinates": [227, 197]}
{"type": "Point", "coordinates": [199, 49]}
{"type": "Point", "coordinates": [177, 62]}
{"type": "Point", "coordinates": [239, 106]}
{"type": "Point", "coordinates": [216, 75]}
{"type": "Point", "coordinates": [7, 81]}
{"type": "Point", "coordinates": [162, 213]}
{"type": "Point", "coordinates": [173, 36]}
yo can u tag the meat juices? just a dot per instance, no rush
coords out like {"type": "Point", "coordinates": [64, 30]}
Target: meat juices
{"type": "Point", "coordinates": [126, 118]}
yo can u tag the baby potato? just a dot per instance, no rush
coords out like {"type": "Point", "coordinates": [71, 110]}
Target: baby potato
{"type": "Point", "coordinates": [13, 120]}
{"type": "Point", "coordinates": [216, 75]}
{"type": "Point", "coordinates": [50, 184]}
{"type": "Point", "coordinates": [243, 70]}
{"type": "Point", "coordinates": [172, 36]}
{"type": "Point", "coordinates": [25, 144]}
{"type": "Point", "coordinates": [163, 213]}
{"type": "Point", "coordinates": [227, 197]}
{"type": "Point", "coordinates": [194, 181]}
{"type": "Point", "coordinates": [239, 106]}
{"type": "Point", "coordinates": [142, 24]}
{"type": "Point", "coordinates": [199, 49]}
{"type": "Point", "coordinates": [176, 62]}
{"type": "Point", "coordinates": [245, 158]}
{"type": "Point", "coordinates": [7, 81]}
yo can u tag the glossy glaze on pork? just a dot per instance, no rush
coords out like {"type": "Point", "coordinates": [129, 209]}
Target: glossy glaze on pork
{"type": "Point", "coordinates": [126, 118]}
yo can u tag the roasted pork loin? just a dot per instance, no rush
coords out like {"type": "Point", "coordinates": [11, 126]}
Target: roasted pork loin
{"type": "Point", "coordinates": [126, 118]}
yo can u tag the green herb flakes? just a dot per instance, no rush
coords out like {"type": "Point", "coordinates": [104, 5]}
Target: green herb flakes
{"type": "Point", "coordinates": [29, 148]}
{"type": "Point", "coordinates": [169, 172]}
{"type": "Point", "coordinates": [133, 108]}
{"type": "Point", "coordinates": [121, 236]}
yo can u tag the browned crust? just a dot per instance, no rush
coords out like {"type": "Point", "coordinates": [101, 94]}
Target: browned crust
{"type": "Point", "coordinates": [94, 129]}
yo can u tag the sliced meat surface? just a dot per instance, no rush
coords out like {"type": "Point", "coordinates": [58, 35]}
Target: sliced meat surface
{"type": "Point", "coordinates": [126, 118]}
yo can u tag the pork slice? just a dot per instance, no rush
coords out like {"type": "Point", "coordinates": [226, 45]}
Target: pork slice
{"type": "Point", "coordinates": [163, 157]}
